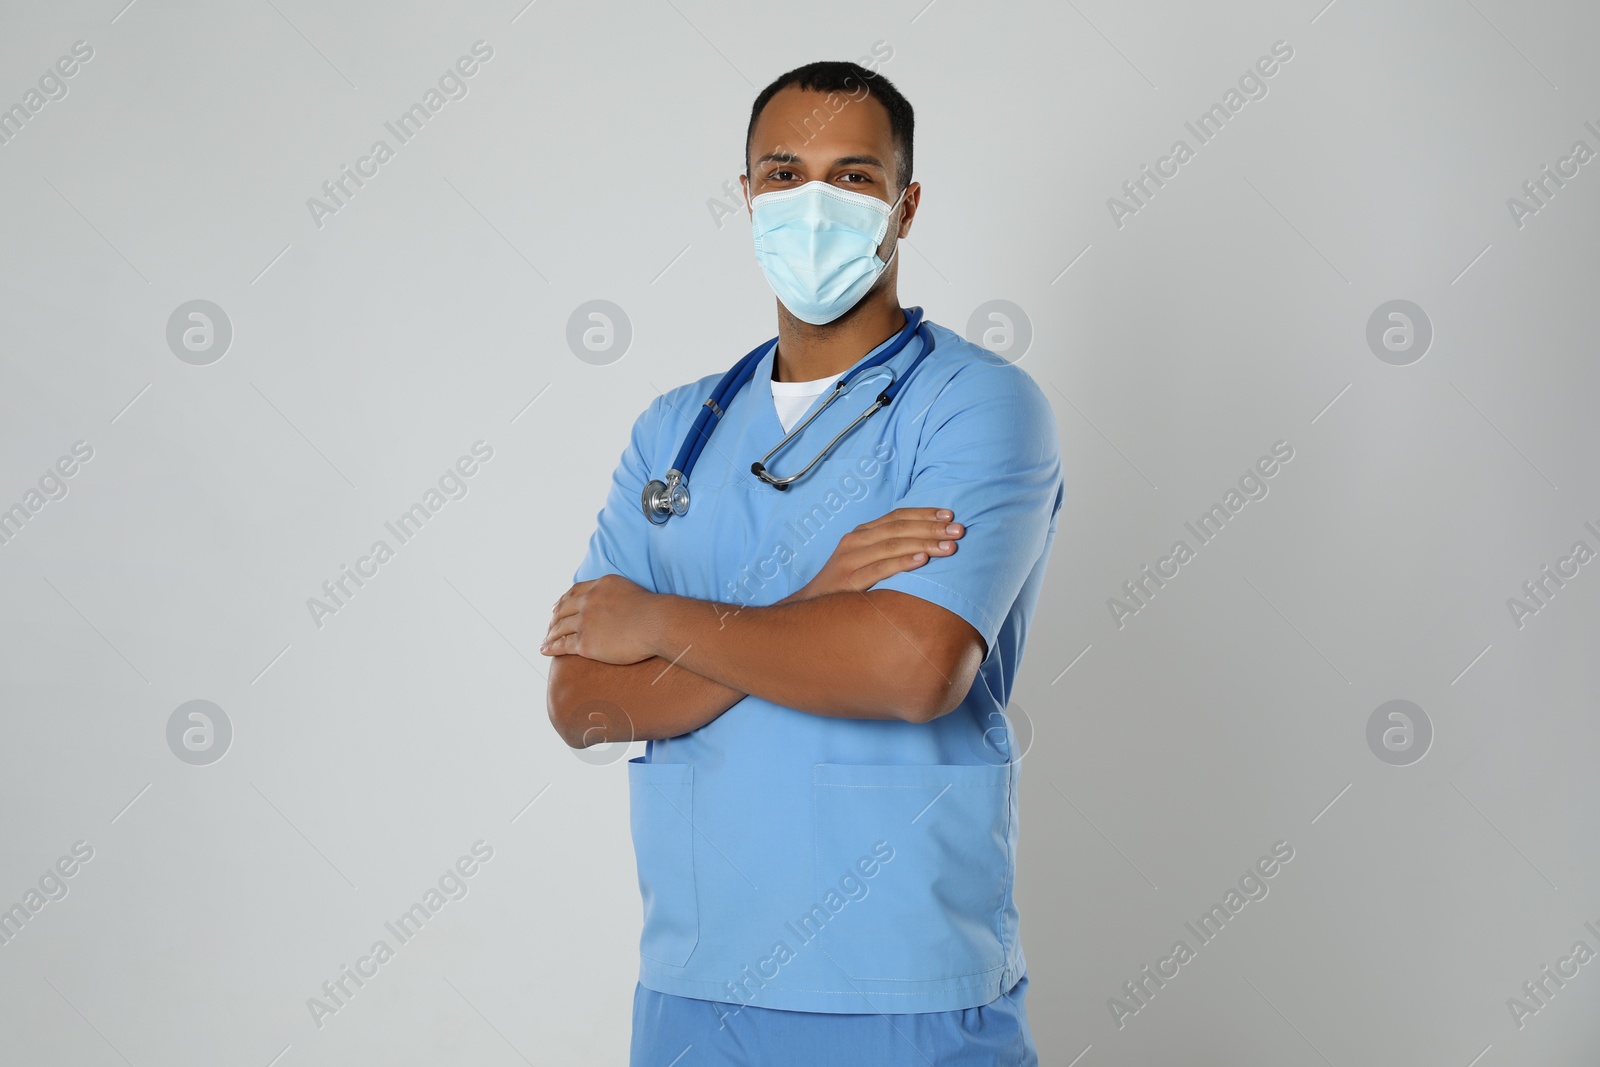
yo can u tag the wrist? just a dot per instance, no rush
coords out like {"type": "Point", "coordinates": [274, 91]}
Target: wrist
{"type": "Point", "coordinates": [803, 593]}
{"type": "Point", "coordinates": [656, 623]}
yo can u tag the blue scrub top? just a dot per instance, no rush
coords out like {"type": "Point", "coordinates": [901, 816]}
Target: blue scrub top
{"type": "Point", "coordinates": [797, 861]}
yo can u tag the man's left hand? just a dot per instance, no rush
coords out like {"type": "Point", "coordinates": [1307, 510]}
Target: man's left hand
{"type": "Point", "coordinates": [606, 619]}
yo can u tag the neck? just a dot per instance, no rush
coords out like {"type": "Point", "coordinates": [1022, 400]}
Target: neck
{"type": "Point", "coordinates": [807, 352]}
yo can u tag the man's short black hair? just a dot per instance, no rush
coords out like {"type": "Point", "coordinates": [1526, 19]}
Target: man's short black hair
{"type": "Point", "coordinates": [849, 79]}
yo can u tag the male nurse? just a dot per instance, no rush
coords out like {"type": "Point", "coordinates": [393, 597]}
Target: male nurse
{"type": "Point", "coordinates": [825, 817]}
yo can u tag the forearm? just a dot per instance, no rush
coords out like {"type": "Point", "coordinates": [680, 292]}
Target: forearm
{"type": "Point", "coordinates": [592, 702]}
{"type": "Point", "coordinates": [843, 655]}
{"type": "Point", "coordinates": [657, 698]}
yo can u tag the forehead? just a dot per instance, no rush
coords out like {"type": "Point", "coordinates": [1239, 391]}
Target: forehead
{"type": "Point", "coordinates": [813, 124]}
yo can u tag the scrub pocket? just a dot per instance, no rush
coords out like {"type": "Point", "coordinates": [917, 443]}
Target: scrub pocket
{"type": "Point", "coordinates": [932, 909]}
{"type": "Point", "coordinates": [660, 803]}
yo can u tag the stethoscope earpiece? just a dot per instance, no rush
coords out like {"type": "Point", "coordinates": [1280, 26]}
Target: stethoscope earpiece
{"type": "Point", "coordinates": [760, 471]}
{"type": "Point", "coordinates": [841, 387]}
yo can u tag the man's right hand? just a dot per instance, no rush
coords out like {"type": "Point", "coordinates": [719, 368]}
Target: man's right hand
{"type": "Point", "coordinates": [902, 540]}
{"type": "Point", "coordinates": [662, 702]}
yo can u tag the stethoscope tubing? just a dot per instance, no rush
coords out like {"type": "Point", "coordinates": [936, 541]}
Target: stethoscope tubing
{"type": "Point", "coordinates": [744, 370]}
{"type": "Point", "coordinates": [713, 408]}
{"type": "Point", "coordinates": [885, 397]}
{"type": "Point", "coordinates": [660, 498]}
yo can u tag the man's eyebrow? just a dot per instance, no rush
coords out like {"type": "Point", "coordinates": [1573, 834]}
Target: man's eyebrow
{"type": "Point", "coordinates": [779, 157]}
{"type": "Point", "coordinates": [842, 161]}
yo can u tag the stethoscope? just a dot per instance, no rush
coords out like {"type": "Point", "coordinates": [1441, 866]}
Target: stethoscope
{"type": "Point", "coordinates": [662, 499]}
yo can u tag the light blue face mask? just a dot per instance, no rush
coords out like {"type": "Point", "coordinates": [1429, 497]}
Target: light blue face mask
{"type": "Point", "coordinates": [818, 246]}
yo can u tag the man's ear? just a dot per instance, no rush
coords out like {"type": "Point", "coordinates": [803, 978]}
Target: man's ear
{"type": "Point", "coordinates": [908, 208]}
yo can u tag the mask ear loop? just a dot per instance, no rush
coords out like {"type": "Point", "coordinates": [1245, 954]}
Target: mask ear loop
{"type": "Point", "coordinates": [896, 248]}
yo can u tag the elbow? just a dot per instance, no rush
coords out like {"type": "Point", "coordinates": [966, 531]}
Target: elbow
{"type": "Point", "coordinates": [580, 712]}
{"type": "Point", "coordinates": [945, 682]}
{"type": "Point", "coordinates": [561, 722]}
{"type": "Point", "coordinates": [567, 735]}
{"type": "Point", "coordinates": [931, 676]}
{"type": "Point", "coordinates": [559, 704]}
{"type": "Point", "coordinates": [934, 704]}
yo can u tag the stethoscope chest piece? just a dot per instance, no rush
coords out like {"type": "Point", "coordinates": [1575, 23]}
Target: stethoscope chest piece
{"type": "Point", "coordinates": [663, 498]}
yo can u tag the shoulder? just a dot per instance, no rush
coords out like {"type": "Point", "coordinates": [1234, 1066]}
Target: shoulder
{"type": "Point", "coordinates": [675, 409]}
{"type": "Point", "coordinates": [960, 376]}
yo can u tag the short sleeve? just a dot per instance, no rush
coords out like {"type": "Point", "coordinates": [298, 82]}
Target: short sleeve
{"type": "Point", "coordinates": [619, 544]}
{"type": "Point", "coordinates": [988, 451]}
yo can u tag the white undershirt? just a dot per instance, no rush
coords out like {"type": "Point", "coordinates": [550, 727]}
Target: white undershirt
{"type": "Point", "coordinates": [793, 398]}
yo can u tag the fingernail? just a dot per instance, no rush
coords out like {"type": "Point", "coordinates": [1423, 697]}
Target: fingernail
{"type": "Point", "coordinates": [946, 544]}
{"type": "Point", "coordinates": [953, 528]}
{"type": "Point", "coordinates": [945, 515]}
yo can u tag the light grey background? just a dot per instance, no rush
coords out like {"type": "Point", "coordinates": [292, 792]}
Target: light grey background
{"type": "Point", "coordinates": [431, 312]}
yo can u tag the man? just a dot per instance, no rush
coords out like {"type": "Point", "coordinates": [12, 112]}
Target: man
{"type": "Point", "coordinates": [825, 819]}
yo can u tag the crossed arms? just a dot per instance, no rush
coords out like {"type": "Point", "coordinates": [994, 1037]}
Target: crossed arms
{"type": "Point", "coordinates": [628, 664]}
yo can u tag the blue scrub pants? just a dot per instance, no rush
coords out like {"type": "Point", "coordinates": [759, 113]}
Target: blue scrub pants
{"type": "Point", "coordinates": [671, 1031]}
